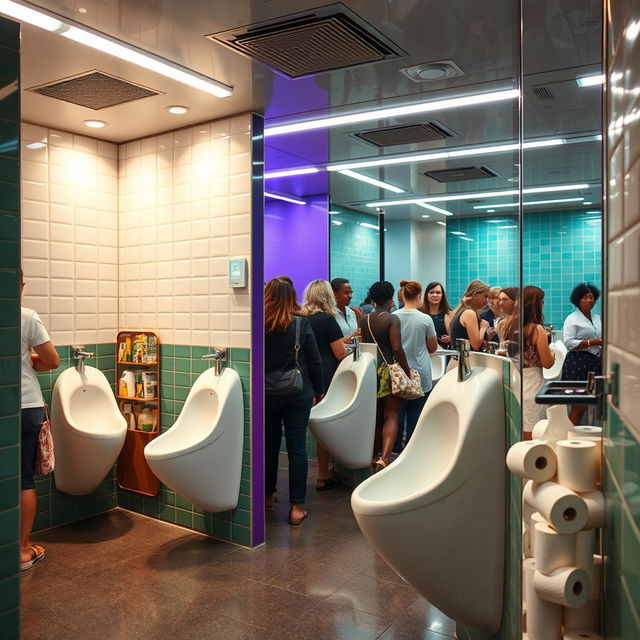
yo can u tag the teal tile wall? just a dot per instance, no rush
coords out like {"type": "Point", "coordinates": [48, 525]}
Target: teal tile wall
{"type": "Point", "coordinates": [560, 249]}
{"type": "Point", "coordinates": [621, 535]}
{"type": "Point", "coordinates": [180, 365]}
{"type": "Point", "coordinates": [9, 330]}
{"type": "Point", "coordinates": [511, 626]}
{"type": "Point", "coordinates": [354, 251]}
{"type": "Point", "coordinates": [54, 507]}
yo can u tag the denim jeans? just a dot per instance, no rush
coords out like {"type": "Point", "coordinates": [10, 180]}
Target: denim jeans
{"type": "Point", "coordinates": [293, 413]}
{"type": "Point", "coordinates": [30, 423]}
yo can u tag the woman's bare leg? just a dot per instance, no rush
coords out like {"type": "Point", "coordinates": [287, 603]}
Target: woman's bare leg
{"type": "Point", "coordinates": [391, 410]}
{"type": "Point", "coordinates": [575, 415]}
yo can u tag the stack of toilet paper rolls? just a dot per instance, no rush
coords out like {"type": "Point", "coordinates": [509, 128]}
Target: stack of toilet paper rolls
{"type": "Point", "coordinates": [562, 509]}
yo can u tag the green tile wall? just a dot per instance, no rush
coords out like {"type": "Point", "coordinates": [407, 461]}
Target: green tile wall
{"type": "Point", "coordinates": [54, 507]}
{"type": "Point", "coordinates": [621, 535]}
{"type": "Point", "coordinates": [511, 626]}
{"type": "Point", "coordinates": [180, 365]}
{"type": "Point", "coordinates": [10, 328]}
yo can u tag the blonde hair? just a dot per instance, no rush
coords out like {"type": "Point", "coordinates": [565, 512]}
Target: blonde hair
{"type": "Point", "coordinates": [494, 292]}
{"type": "Point", "coordinates": [318, 297]}
{"type": "Point", "coordinates": [475, 286]}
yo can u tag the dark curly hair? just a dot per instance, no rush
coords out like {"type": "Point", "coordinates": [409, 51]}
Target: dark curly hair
{"type": "Point", "coordinates": [337, 283]}
{"type": "Point", "coordinates": [382, 291]}
{"type": "Point", "coordinates": [581, 290]}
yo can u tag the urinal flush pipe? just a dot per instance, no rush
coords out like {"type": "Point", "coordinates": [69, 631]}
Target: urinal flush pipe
{"type": "Point", "coordinates": [79, 354]}
{"type": "Point", "coordinates": [218, 354]}
{"type": "Point", "coordinates": [464, 351]}
{"type": "Point", "coordinates": [354, 347]}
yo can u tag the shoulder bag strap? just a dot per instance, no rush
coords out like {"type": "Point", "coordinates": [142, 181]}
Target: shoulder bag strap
{"type": "Point", "coordinates": [297, 346]}
{"type": "Point", "coordinates": [374, 339]}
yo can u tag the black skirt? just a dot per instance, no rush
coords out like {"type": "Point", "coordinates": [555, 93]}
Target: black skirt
{"type": "Point", "coordinates": [578, 364]}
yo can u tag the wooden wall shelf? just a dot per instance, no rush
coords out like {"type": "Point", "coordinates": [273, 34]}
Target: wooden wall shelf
{"type": "Point", "coordinates": [138, 352]}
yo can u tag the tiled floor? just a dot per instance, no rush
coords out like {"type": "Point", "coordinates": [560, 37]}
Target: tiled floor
{"type": "Point", "coordinates": [123, 576]}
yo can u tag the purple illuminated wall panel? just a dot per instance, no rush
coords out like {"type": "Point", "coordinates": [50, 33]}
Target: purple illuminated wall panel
{"type": "Point", "coordinates": [257, 334]}
{"type": "Point", "coordinates": [296, 240]}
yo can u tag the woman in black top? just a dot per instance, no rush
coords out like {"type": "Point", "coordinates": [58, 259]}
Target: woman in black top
{"type": "Point", "coordinates": [320, 307]}
{"type": "Point", "coordinates": [437, 306]}
{"type": "Point", "coordinates": [383, 327]}
{"type": "Point", "coordinates": [466, 321]}
{"type": "Point", "coordinates": [292, 411]}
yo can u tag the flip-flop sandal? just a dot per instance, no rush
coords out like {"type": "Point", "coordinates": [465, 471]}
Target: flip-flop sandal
{"type": "Point", "coordinates": [269, 507]}
{"type": "Point", "coordinates": [37, 554]}
{"type": "Point", "coordinates": [329, 483]}
{"type": "Point", "coordinates": [297, 523]}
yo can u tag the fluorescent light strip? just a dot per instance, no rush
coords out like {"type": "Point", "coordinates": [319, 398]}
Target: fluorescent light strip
{"type": "Point", "coordinates": [591, 81]}
{"type": "Point", "coordinates": [508, 226]}
{"type": "Point", "coordinates": [471, 196]}
{"type": "Point", "coordinates": [465, 238]}
{"type": "Point", "coordinates": [96, 40]}
{"type": "Point", "coordinates": [436, 209]}
{"type": "Point", "coordinates": [369, 226]}
{"type": "Point", "coordinates": [532, 203]}
{"type": "Point", "coordinates": [291, 172]}
{"type": "Point", "coordinates": [392, 112]}
{"type": "Point", "coordinates": [277, 196]}
{"type": "Point", "coordinates": [443, 224]}
{"type": "Point", "coordinates": [373, 181]}
{"type": "Point", "coordinates": [458, 233]}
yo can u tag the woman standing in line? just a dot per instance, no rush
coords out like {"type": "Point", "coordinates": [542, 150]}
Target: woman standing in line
{"type": "Point", "coordinates": [348, 318]}
{"type": "Point", "coordinates": [37, 354]}
{"type": "Point", "coordinates": [506, 303]}
{"type": "Point", "coordinates": [536, 353]}
{"type": "Point", "coordinates": [320, 308]}
{"type": "Point", "coordinates": [491, 313]}
{"type": "Point", "coordinates": [418, 341]}
{"type": "Point", "coordinates": [437, 306]}
{"type": "Point", "coordinates": [383, 328]}
{"type": "Point", "coordinates": [281, 322]}
{"type": "Point", "coordinates": [466, 322]}
{"type": "Point", "coordinates": [582, 335]}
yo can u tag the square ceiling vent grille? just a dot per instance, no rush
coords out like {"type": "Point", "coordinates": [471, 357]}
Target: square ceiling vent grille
{"type": "Point", "coordinates": [463, 173]}
{"type": "Point", "coordinates": [302, 44]}
{"type": "Point", "coordinates": [410, 134]}
{"type": "Point", "coordinates": [94, 90]}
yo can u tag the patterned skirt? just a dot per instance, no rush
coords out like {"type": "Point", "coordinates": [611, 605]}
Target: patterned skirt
{"type": "Point", "coordinates": [578, 364]}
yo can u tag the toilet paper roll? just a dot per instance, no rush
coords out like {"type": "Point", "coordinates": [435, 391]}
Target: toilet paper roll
{"type": "Point", "coordinates": [568, 586]}
{"type": "Point", "coordinates": [595, 507]}
{"type": "Point", "coordinates": [595, 578]}
{"type": "Point", "coordinates": [532, 459]}
{"type": "Point", "coordinates": [565, 510]}
{"type": "Point", "coordinates": [544, 618]}
{"type": "Point", "coordinates": [581, 635]}
{"type": "Point", "coordinates": [585, 618]}
{"type": "Point", "coordinates": [580, 431]}
{"type": "Point", "coordinates": [553, 550]}
{"type": "Point", "coordinates": [539, 428]}
{"type": "Point", "coordinates": [533, 521]}
{"type": "Point", "coordinates": [577, 464]}
{"type": "Point", "coordinates": [585, 547]}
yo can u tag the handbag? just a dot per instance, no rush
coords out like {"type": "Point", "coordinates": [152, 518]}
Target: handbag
{"type": "Point", "coordinates": [402, 386]}
{"type": "Point", "coordinates": [45, 460]}
{"type": "Point", "coordinates": [280, 384]}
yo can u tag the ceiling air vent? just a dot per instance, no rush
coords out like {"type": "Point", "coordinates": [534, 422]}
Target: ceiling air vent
{"type": "Point", "coordinates": [95, 90]}
{"type": "Point", "coordinates": [301, 44]}
{"type": "Point", "coordinates": [543, 94]}
{"type": "Point", "coordinates": [411, 134]}
{"type": "Point", "coordinates": [463, 173]}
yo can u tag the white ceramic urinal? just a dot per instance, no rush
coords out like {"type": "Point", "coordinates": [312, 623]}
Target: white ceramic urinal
{"type": "Point", "coordinates": [88, 430]}
{"type": "Point", "coordinates": [200, 456]}
{"type": "Point", "coordinates": [436, 515]}
{"type": "Point", "coordinates": [345, 421]}
{"type": "Point", "coordinates": [438, 366]}
{"type": "Point", "coordinates": [560, 351]}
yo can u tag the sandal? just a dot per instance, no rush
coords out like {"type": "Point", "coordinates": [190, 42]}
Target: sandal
{"type": "Point", "coordinates": [37, 553]}
{"type": "Point", "coordinates": [328, 483]}
{"type": "Point", "coordinates": [269, 501]}
{"type": "Point", "coordinates": [379, 465]}
{"type": "Point", "coordinates": [297, 523]}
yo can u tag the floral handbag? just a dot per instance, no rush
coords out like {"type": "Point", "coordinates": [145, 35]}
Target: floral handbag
{"type": "Point", "coordinates": [45, 460]}
{"type": "Point", "coordinates": [402, 386]}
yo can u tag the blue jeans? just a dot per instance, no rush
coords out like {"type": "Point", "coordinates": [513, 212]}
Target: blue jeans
{"type": "Point", "coordinates": [30, 423]}
{"type": "Point", "coordinates": [294, 414]}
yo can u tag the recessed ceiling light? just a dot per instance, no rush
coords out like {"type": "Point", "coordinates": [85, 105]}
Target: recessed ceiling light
{"type": "Point", "coordinates": [491, 210]}
{"type": "Point", "coordinates": [82, 10]}
{"type": "Point", "coordinates": [458, 233]}
{"type": "Point", "coordinates": [336, 222]}
{"type": "Point", "coordinates": [591, 81]}
{"type": "Point", "coordinates": [442, 224]}
{"type": "Point", "coordinates": [94, 124]}
{"type": "Point", "coordinates": [36, 145]}
{"type": "Point", "coordinates": [587, 203]}
{"type": "Point", "coordinates": [392, 112]}
{"type": "Point", "coordinates": [430, 71]}
{"type": "Point", "coordinates": [334, 213]}
{"type": "Point", "coordinates": [425, 215]}
{"type": "Point", "coordinates": [177, 109]}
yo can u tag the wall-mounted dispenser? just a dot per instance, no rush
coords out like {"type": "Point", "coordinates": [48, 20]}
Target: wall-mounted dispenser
{"type": "Point", "coordinates": [237, 273]}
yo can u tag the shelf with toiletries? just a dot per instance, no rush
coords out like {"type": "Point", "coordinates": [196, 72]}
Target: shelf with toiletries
{"type": "Point", "coordinates": [138, 395]}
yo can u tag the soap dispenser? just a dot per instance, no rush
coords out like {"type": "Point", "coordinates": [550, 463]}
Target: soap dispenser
{"type": "Point", "coordinates": [555, 427]}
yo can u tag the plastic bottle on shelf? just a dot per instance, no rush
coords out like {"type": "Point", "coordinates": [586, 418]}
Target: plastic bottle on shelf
{"type": "Point", "coordinates": [127, 384]}
{"type": "Point", "coordinates": [145, 420]}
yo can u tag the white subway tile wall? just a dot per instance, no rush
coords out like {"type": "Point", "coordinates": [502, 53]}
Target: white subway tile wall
{"type": "Point", "coordinates": [624, 215]}
{"type": "Point", "coordinates": [138, 235]}
{"type": "Point", "coordinates": [69, 234]}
